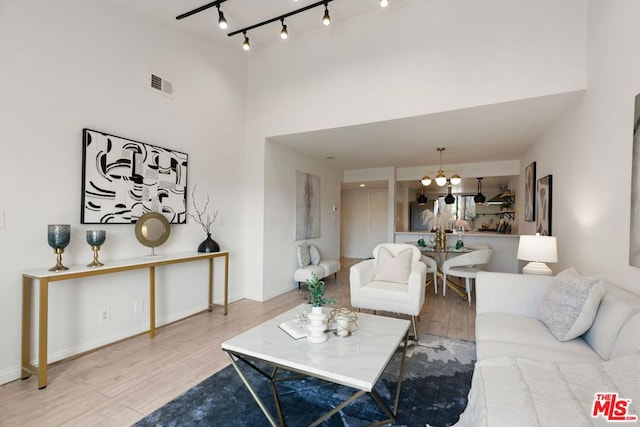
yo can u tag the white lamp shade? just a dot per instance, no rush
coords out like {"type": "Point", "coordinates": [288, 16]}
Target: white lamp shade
{"type": "Point", "coordinates": [538, 248]}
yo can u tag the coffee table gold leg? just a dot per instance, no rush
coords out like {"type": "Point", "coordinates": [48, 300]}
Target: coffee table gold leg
{"type": "Point", "coordinates": [259, 401]}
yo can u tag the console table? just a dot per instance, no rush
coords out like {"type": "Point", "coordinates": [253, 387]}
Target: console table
{"type": "Point", "coordinates": [44, 277]}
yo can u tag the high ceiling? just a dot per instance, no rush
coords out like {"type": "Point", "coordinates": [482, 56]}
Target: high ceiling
{"type": "Point", "coordinates": [479, 134]}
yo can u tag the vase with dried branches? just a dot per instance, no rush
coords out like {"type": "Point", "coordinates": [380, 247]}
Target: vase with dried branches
{"type": "Point", "coordinates": [205, 220]}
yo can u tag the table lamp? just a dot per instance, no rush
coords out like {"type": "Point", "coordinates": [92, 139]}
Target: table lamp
{"type": "Point", "coordinates": [538, 250]}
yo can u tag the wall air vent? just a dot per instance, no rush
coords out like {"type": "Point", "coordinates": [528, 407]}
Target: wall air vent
{"type": "Point", "coordinates": [161, 84]}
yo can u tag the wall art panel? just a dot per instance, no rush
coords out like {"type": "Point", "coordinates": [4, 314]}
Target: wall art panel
{"type": "Point", "coordinates": [123, 179]}
{"type": "Point", "coordinates": [307, 206]}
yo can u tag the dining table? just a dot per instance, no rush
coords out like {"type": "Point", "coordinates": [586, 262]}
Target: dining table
{"type": "Point", "coordinates": [440, 255]}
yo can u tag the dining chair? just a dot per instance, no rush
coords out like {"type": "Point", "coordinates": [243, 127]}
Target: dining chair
{"type": "Point", "coordinates": [465, 266]}
{"type": "Point", "coordinates": [432, 268]}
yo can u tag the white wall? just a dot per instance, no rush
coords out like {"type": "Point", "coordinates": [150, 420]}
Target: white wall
{"type": "Point", "coordinates": [280, 246]}
{"type": "Point", "coordinates": [414, 58]}
{"type": "Point", "coordinates": [589, 152]}
{"type": "Point", "coordinates": [70, 64]}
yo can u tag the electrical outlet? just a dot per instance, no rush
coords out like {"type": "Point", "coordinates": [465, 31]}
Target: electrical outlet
{"type": "Point", "coordinates": [2, 220]}
{"type": "Point", "coordinates": [104, 314]}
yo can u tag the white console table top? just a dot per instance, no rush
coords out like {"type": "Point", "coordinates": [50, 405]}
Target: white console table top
{"type": "Point", "coordinates": [139, 262]}
{"type": "Point", "coordinates": [356, 361]}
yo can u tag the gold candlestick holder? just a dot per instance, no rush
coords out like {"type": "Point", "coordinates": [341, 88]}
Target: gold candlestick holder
{"type": "Point", "coordinates": [58, 236]}
{"type": "Point", "coordinates": [95, 238]}
{"type": "Point", "coordinates": [59, 266]}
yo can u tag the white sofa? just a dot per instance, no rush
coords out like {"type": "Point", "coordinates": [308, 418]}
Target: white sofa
{"type": "Point", "coordinates": [524, 376]}
{"type": "Point", "coordinates": [314, 263]}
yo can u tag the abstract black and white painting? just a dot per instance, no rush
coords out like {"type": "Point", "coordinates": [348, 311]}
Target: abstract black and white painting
{"type": "Point", "coordinates": [543, 206]}
{"type": "Point", "coordinates": [530, 192]}
{"type": "Point", "coordinates": [634, 239]}
{"type": "Point", "coordinates": [307, 206]}
{"type": "Point", "coordinates": [123, 179]}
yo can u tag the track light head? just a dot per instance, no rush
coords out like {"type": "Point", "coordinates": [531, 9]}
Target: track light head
{"type": "Point", "coordinates": [284, 34]}
{"type": "Point", "coordinates": [222, 23]}
{"type": "Point", "coordinates": [384, 3]}
{"type": "Point", "coordinates": [326, 19]}
{"type": "Point", "coordinates": [245, 43]}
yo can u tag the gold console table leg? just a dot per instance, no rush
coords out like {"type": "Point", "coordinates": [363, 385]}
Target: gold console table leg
{"type": "Point", "coordinates": [26, 327]}
{"type": "Point", "coordinates": [152, 301]}
{"type": "Point", "coordinates": [43, 333]}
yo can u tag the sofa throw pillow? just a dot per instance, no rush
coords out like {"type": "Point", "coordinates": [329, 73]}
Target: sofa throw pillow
{"type": "Point", "coordinates": [570, 304]}
{"type": "Point", "coordinates": [315, 255]}
{"type": "Point", "coordinates": [393, 269]}
{"type": "Point", "coordinates": [304, 258]}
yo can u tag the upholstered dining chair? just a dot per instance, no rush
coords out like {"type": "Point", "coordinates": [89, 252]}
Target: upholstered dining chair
{"type": "Point", "coordinates": [393, 281]}
{"type": "Point", "coordinates": [432, 268]}
{"type": "Point", "coordinates": [466, 266]}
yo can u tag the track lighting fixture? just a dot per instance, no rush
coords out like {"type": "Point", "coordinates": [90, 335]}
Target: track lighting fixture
{"type": "Point", "coordinates": [222, 23]}
{"type": "Point", "coordinates": [245, 43]}
{"type": "Point", "coordinates": [216, 3]}
{"type": "Point", "coordinates": [284, 33]}
{"type": "Point", "coordinates": [326, 19]}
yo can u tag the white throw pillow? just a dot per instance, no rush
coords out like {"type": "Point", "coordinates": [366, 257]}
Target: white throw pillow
{"type": "Point", "coordinates": [315, 255]}
{"type": "Point", "coordinates": [304, 258]}
{"type": "Point", "coordinates": [570, 304]}
{"type": "Point", "coordinates": [393, 269]}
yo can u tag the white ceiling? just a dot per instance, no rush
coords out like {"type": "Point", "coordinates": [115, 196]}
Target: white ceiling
{"type": "Point", "coordinates": [480, 134]}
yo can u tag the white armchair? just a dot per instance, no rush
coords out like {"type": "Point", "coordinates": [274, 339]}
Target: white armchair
{"type": "Point", "coordinates": [392, 281]}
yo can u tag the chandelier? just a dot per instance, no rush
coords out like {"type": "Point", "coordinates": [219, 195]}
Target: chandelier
{"type": "Point", "coordinates": [441, 178]}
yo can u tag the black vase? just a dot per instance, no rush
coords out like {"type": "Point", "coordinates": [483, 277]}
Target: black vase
{"type": "Point", "coordinates": [209, 245]}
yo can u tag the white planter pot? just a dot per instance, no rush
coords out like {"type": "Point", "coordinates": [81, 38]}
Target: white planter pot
{"type": "Point", "coordinates": [317, 325]}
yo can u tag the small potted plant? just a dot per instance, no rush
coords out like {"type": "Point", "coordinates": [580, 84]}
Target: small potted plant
{"type": "Point", "coordinates": [317, 318]}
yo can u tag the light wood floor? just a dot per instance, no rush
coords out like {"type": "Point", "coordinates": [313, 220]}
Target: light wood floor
{"type": "Point", "coordinates": [121, 383]}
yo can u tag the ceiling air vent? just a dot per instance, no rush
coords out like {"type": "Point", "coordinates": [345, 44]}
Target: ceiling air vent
{"type": "Point", "coordinates": [162, 85]}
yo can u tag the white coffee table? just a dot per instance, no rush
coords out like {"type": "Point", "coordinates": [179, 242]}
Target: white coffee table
{"type": "Point", "coordinates": [356, 361]}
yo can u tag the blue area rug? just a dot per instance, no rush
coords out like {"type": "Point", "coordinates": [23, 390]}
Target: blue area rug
{"type": "Point", "coordinates": [434, 393]}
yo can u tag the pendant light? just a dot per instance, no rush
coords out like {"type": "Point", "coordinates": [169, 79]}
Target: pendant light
{"type": "Point", "coordinates": [449, 199]}
{"type": "Point", "coordinates": [441, 178]}
{"type": "Point", "coordinates": [422, 199]}
{"type": "Point", "coordinates": [384, 3]}
{"type": "Point", "coordinates": [479, 198]}
{"type": "Point", "coordinates": [284, 34]}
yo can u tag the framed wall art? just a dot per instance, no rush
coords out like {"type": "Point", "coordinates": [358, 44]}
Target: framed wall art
{"type": "Point", "coordinates": [123, 179]}
{"type": "Point", "coordinates": [530, 192]}
{"type": "Point", "coordinates": [543, 206]}
{"type": "Point", "coordinates": [307, 206]}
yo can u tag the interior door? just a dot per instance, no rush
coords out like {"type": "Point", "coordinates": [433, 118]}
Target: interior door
{"type": "Point", "coordinates": [378, 219]}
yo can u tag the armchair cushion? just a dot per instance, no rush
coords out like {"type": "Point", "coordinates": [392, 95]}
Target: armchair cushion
{"type": "Point", "coordinates": [393, 269]}
{"type": "Point", "coordinates": [570, 304]}
{"type": "Point", "coordinates": [304, 256]}
{"type": "Point", "coordinates": [314, 254]}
